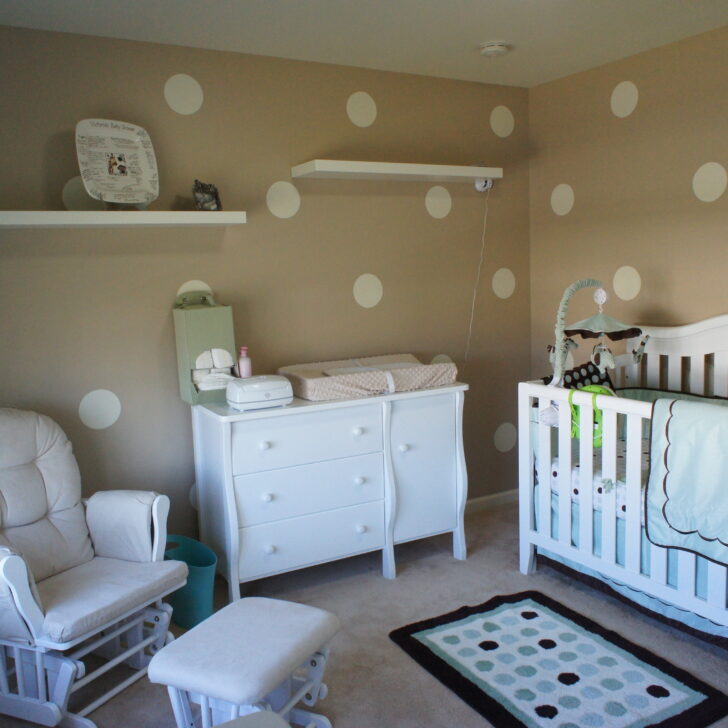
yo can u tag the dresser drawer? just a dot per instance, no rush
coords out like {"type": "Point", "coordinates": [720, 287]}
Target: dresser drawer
{"type": "Point", "coordinates": [276, 494]}
{"type": "Point", "coordinates": [296, 439]}
{"type": "Point", "coordinates": [271, 548]}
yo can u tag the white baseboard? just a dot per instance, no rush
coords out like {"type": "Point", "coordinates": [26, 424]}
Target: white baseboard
{"type": "Point", "coordinates": [488, 501]}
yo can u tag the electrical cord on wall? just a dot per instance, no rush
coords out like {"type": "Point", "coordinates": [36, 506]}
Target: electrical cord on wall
{"type": "Point", "coordinates": [477, 278]}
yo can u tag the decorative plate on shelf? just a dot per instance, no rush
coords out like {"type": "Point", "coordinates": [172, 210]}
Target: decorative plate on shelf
{"type": "Point", "coordinates": [117, 162]}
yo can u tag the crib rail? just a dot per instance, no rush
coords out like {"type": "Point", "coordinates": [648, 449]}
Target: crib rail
{"type": "Point", "coordinates": [692, 358]}
{"type": "Point", "coordinates": [608, 540]}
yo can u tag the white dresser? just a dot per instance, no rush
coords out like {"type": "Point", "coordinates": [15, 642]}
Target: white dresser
{"type": "Point", "coordinates": [286, 488]}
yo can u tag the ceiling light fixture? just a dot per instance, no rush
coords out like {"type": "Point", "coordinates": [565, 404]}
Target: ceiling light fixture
{"type": "Point", "coordinates": [494, 48]}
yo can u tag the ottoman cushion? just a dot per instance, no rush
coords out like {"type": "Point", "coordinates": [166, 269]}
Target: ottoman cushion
{"type": "Point", "coordinates": [245, 650]}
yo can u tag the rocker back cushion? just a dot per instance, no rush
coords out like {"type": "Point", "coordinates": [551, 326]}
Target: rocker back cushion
{"type": "Point", "coordinates": [41, 514]}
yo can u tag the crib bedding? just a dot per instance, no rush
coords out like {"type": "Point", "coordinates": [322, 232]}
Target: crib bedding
{"type": "Point", "coordinates": [656, 605]}
{"type": "Point", "coordinates": [599, 485]}
{"type": "Point", "coordinates": [686, 504]}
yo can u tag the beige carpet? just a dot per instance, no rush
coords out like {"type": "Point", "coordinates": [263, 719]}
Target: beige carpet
{"type": "Point", "coordinates": [374, 684]}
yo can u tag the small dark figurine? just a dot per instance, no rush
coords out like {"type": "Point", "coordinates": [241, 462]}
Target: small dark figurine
{"type": "Point", "coordinates": [206, 196]}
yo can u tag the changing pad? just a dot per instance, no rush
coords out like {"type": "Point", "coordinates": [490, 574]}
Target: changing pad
{"type": "Point", "coordinates": [365, 377]}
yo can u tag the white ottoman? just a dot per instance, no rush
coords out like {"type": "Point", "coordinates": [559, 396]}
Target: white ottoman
{"type": "Point", "coordinates": [255, 654]}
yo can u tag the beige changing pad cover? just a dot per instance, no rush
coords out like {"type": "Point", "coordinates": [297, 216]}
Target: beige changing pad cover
{"type": "Point", "coordinates": [372, 376]}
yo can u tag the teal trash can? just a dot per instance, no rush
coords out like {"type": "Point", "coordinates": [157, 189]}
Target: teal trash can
{"type": "Point", "coordinates": [193, 602]}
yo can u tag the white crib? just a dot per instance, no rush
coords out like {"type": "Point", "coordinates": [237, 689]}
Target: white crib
{"type": "Point", "coordinates": [691, 358]}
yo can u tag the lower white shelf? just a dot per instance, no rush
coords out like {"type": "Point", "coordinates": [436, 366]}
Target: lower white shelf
{"type": "Point", "coordinates": [113, 218]}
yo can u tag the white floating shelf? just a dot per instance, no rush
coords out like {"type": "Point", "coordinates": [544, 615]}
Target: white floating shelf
{"type": "Point", "coordinates": [114, 218]}
{"type": "Point", "coordinates": [341, 169]}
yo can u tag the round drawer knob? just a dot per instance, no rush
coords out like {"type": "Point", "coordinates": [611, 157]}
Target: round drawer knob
{"type": "Point", "coordinates": [361, 528]}
{"type": "Point", "coordinates": [267, 497]}
{"type": "Point", "coordinates": [404, 448]}
{"type": "Point", "coordinates": [264, 445]}
{"type": "Point", "coordinates": [270, 549]}
{"type": "Point", "coordinates": [359, 480]}
{"type": "Point", "coordinates": [357, 431]}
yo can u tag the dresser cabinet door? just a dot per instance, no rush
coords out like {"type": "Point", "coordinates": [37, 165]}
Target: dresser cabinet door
{"type": "Point", "coordinates": [424, 459]}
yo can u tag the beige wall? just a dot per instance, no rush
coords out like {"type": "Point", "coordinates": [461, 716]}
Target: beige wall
{"type": "Point", "coordinates": [633, 187]}
{"type": "Point", "coordinates": [91, 309]}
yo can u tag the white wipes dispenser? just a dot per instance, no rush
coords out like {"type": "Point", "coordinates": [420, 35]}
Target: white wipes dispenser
{"type": "Point", "coordinates": [259, 392]}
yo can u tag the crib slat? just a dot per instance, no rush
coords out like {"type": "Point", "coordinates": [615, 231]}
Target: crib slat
{"type": "Point", "coordinates": [686, 572]}
{"type": "Point", "coordinates": [720, 374]}
{"type": "Point", "coordinates": [674, 373]}
{"type": "Point", "coordinates": [618, 377]}
{"type": "Point", "coordinates": [544, 472]}
{"type": "Point", "coordinates": [653, 371]}
{"type": "Point", "coordinates": [633, 530]}
{"type": "Point", "coordinates": [564, 473]}
{"type": "Point", "coordinates": [697, 374]}
{"type": "Point", "coordinates": [609, 499]}
{"type": "Point", "coordinates": [717, 585]}
{"type": "Point", "coordinates": [586, 478]}
{"type": "Point", "coordinates": [631, 375]}
{"type": "Point", "coordinates": [658, 564]}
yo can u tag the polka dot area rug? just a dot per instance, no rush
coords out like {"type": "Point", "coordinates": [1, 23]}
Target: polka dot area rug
{"type": "Point", "coordinates": [526, 660]}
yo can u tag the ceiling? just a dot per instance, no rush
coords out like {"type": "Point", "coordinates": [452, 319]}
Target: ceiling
{"type": "Point", "coordinates": [550, 38]}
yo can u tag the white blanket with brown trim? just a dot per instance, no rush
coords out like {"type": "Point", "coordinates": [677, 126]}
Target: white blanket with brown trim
{"type": "Point", "coordinates": [686, 500]}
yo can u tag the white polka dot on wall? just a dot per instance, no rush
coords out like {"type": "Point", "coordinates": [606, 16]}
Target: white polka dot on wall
{"type": "Point", "coordinates": [183, 94]}
{"type": "Point", "coordinates": [438, 202]}
{"type": "Point", "coordinates": [505, 437]}
{"type": "Point", "coordinates": [502, 121]}
{"type": "Point", "coordinates": [368, 290]}
{"type": "Point", "coordinates": [283, 199]}
{"type": "Point", "coordinates": [624, 99]}
{"type": "Point", "coordinates": [193, 285]}
{"type": "Point", "coordinates": [627, 283]}
{"type": "Point", "coordinates": [562, 199]}
{"type": "Point", "coordinates": [361, 109]}
{"type": "Point", "coordinates": [441, 359]}
{"type": "Point", "coordinates": [710, 181]}
{"type": "Point", "coordinates": [99, 409]}
{"type": "Point", "coordinates": [504, 283]}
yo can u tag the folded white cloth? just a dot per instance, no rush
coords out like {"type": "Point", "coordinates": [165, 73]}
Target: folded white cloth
{"type": "Point", "coordinates": [213, 381]}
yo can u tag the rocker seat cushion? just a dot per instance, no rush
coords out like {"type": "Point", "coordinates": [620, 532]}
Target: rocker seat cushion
{"type": "Point", "coordinates": [84, 598]}
{"type": "Point", "coordinates": [245, 650]}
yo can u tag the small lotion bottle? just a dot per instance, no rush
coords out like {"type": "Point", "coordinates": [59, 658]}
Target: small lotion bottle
{"type": "Point", "coordinates": [245, 366]}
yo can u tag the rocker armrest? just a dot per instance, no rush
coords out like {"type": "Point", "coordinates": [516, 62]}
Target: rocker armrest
{"type": "Point", "coordinates": [128, 524]}
{"type": "Point", "coordinates": [21, 618]}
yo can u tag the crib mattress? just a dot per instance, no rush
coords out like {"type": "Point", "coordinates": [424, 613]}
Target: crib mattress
{"type": "Point", "coordinates": [366, 376]}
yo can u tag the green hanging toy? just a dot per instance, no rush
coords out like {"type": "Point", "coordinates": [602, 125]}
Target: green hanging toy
{"type": "Point", "coordinates": [595, 389]}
